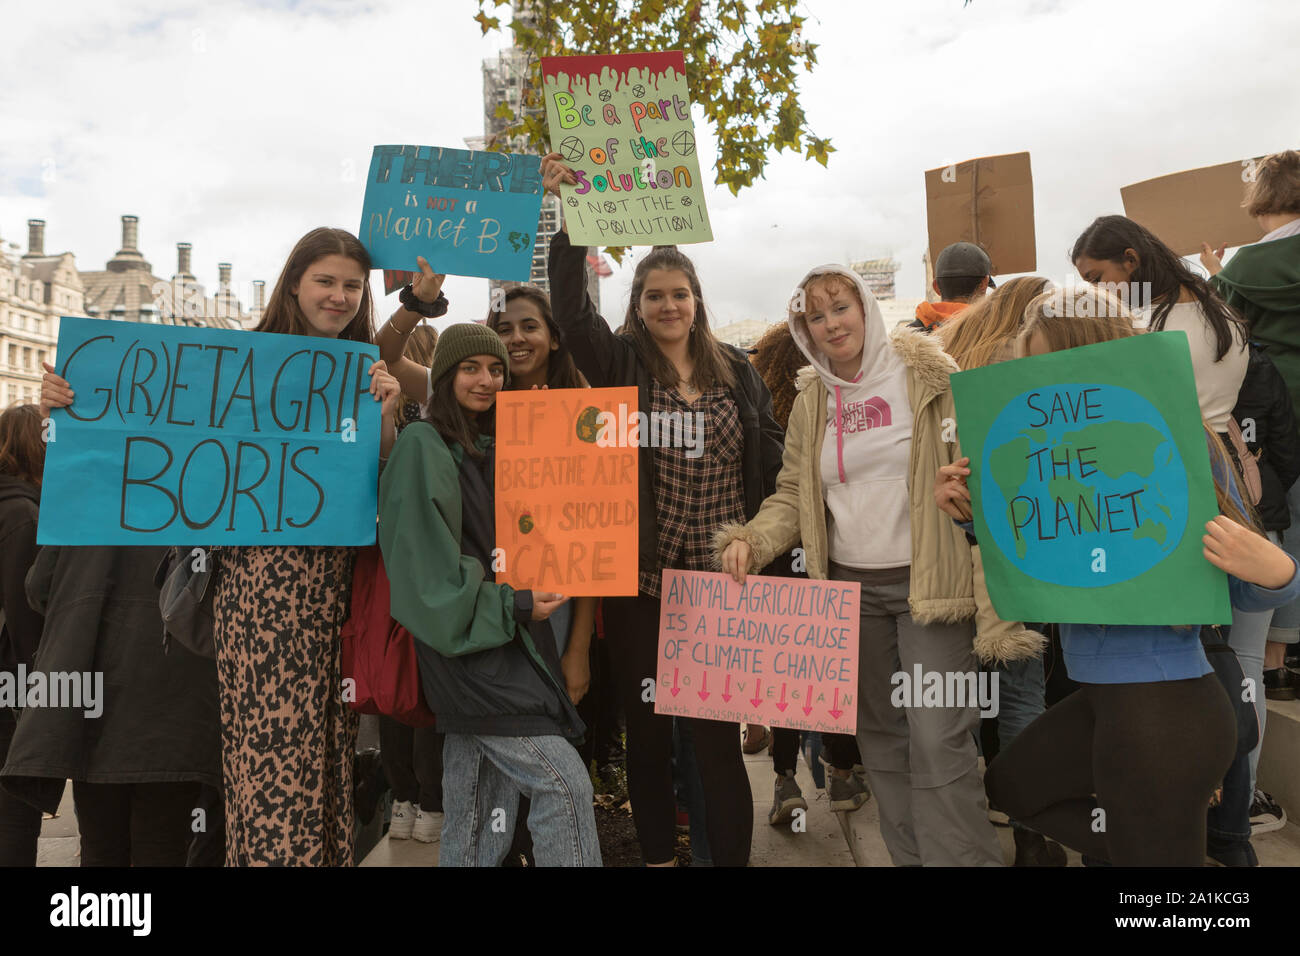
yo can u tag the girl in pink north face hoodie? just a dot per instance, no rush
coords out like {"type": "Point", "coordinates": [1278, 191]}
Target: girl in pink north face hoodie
{"type": "Point", "coordinates": [851, 437]}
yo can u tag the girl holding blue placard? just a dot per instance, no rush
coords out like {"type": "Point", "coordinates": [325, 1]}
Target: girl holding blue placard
{"type": "Point", "coordinates": [1112, 770]}
{"type": "Point", "coordinates": [288, 737]}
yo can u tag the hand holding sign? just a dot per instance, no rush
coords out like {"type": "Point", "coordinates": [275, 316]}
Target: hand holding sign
{"type": "Point", "coordinates": [55, 390]}
{"type": "Point", "coordinates": [554, 173]}
{"type": "Point", "coordinates": [950, 491]}
{"type": "Point", "coordinates": [545, 603]}
{"type": "Point", "coordinates": [1245, 554]}
{"type": "Point", "coordinates": [385, 389]}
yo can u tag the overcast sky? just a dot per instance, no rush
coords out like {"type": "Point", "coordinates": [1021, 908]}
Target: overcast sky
{"type": "Point", "coordinates": [239, 126]}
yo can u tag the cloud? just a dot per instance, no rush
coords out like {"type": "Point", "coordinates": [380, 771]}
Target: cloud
{"type": "Point", "coordinates": [239, 127]}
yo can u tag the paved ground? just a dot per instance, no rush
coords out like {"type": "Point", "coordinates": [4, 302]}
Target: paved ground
{"type": "Point", "coordinates": [822, 844]}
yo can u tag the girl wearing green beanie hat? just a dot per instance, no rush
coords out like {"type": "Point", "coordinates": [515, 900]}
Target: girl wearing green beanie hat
{"type": "Point", "coordinates": [487, 655]}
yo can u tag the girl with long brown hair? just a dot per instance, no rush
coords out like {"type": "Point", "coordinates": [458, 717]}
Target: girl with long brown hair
{"type": "Point", "coordinates": [665, 349]}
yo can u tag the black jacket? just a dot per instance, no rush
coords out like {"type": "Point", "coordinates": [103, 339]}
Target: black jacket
{"type": "Point", "coordinates": [19, 503]}
{"type": "Point", "coordinates": [159, 722]}
{"type": "Point", "coordinates": [609, 360]}
{"type": "Point", "coordinates": [485, 667]}
{"type": "Point", "coordinates": [1264, 412]}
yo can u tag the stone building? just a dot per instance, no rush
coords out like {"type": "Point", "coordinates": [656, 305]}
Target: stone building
{"type": "Point", "coordinates": [878, 274]}
{"type": "Point", "coordinates": [35, 289]}
{"type": "Point", "coordinates": [127, 290]}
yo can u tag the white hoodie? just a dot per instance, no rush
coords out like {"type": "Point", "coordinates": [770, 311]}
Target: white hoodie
{"type": "Point", "coordinates": [866, 452]}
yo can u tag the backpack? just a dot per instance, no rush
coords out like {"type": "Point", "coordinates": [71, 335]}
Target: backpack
{"type": "Point", "coordinates": [378, 654]}
{"type": "Point", "coordinates": [1247, 464]}
{"type": "Point", "coordinates": [184, 580]}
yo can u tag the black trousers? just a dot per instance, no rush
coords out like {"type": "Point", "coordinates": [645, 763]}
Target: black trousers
{"type": "Point", "coordinates": [135, 824]}
{"type": "Point", "coordinates": [1122, 772]}
{"type": "Point", "coordinates": [841, 750]}
{"type": "Point", "coordinates": [20, 823]}
{"type": "Point", "coordinates": [412, 758]}
{"type": "Point", "coordinates": [632, 628]}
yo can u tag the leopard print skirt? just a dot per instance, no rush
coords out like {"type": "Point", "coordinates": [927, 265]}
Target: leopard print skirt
{"type": "Point", "coordinates": [287, 738]}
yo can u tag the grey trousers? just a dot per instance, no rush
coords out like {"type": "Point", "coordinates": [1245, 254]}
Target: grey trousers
{"type": "Point", "coordinates": [921, 761]}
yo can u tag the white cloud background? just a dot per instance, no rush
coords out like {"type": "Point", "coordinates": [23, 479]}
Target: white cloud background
{"type": "Point", "coordinates": [239, 126]}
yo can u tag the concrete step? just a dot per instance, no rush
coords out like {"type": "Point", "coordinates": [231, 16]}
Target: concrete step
{"type": "Point", "coordinates": [1279, 760]}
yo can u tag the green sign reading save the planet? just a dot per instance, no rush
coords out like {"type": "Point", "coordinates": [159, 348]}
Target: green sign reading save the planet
{"type": "Point", "coordinates": [1091, 485]}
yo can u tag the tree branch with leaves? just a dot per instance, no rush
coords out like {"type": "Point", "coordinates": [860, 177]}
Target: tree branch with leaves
{"type": "Point", "coordinates": [743, 59]}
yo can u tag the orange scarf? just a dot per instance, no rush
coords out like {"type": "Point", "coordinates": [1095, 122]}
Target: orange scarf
{"type": "Point", "coordinates": [936, 313]}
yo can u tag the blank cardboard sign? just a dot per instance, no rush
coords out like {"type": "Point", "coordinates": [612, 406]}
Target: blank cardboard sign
{"type": "Point", "coordinates": [987, 201]}
{"type": "Point", "coordinates": [1197, 205]}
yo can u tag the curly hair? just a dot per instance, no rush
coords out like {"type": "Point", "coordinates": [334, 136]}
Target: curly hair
{"type": "Point", "coordinates": [778, 358]}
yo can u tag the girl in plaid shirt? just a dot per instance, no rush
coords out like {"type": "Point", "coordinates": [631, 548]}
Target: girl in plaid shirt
{"type": "Point", "coordinates": [733, 455]}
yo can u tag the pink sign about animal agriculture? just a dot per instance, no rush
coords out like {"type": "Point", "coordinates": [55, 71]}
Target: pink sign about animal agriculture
{"type": "Point", "coordinates": [774, 651]}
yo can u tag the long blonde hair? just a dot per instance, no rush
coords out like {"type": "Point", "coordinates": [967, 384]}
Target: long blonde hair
{"type": "Point", "coordinates": [1086, 315]}
{"type": "Point", "coordinates": [986, 332]}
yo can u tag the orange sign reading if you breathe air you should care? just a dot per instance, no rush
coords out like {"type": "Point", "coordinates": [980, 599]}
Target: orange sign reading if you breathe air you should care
{"type": "Point", "coordinates": [566, 491]}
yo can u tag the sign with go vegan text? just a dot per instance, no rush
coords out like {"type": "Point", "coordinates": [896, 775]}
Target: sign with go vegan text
{"type": "Point", "coordinates": [1090, 484]}
{"type": "Point", "coordinates": [470, 213]}
{"type": "Point", "coordinates": [622, 123]}
{"type": "Point", "coordinates": [183, 435]}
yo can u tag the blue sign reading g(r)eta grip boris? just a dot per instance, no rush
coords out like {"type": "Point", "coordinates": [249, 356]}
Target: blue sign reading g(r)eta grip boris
{"type": "Point", "coordinates": [470, 213]}
{"type": "Point", "coordinates": [183, 435]}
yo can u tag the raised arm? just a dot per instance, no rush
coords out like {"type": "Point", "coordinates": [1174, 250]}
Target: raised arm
{"type": "Point", "coordinates": [599, 354]}
{"type": "Point", "coordinates": [392, 336]}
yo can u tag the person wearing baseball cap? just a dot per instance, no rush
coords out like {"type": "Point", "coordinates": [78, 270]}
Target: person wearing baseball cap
{"type": "Point", "coordinates": [962, 272]}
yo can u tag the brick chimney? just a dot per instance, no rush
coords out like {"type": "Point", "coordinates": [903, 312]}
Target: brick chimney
{"type": "Point", "coordinates": [223, 273]}
{"type": "Point", "coordinates": [130, 234]}
{"type": "Point", "coordinates": [183, 261]}
{"type": "Point", "coordinates": [36, 237]}
{"type": "Point", "coordinates": [259, 295]}
{"type": "Point", "coordinates": [128, 257]}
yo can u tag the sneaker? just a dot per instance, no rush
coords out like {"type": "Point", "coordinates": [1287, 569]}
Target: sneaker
{"type": "Point", "coordinates": [1265, 814]}
{"type": "Point", "coordinates": [846, 793]}
{"type": "Point", "coordinates": [428, 826]}
{"type": "Point", "coordinates": [787, 798]}
{"type": "Point", "coordinates": [1279, 684]}
{"type": "Point", "coordinates": [403, 821]}
{"type": "Point", "coordinates": [1034, 849]}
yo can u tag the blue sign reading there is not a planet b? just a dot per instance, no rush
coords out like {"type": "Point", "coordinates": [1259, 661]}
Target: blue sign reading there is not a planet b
{"type": "Point", "coordinates": [1069, 469]}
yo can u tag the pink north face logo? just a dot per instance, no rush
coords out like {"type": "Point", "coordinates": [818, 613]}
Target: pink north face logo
{"type": "Point", "coordinates": [859, 416]}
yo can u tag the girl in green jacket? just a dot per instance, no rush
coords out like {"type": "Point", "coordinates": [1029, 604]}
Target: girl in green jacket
{"type": "Point", "coordinates": [488, 659]}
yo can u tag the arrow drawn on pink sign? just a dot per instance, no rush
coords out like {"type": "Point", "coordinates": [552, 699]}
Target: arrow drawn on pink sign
{"type": "Point", "coordinates": [781, 704]}
{"type": "Point", "coordinates": [726, 688]}
{"type": "Point", "coordinates": [704, 687]}
{"type": "Point", "coordinates": [758, 689]}
{"type": "Point", "coordinates": [675, 688]}
{"type": "Point", "coordinates": [835, 705]}
{"type": "Point", "coordinates": [807, 708]}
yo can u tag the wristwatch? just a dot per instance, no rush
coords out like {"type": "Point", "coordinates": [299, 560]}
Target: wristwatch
{"type": "Point", "coordinates": [413, 303]}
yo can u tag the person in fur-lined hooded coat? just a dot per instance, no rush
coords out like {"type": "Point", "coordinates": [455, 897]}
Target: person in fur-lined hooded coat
{"type": "Point", "coordinates": [872, 424]}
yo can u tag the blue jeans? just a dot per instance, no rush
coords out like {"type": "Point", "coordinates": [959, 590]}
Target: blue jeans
{"type": "Point", "coordinates": [481, 782]}
{"type": "Point", "coordinates": [1022, 687]}
{"type": "Point", "coordinates": [1250, 631]}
